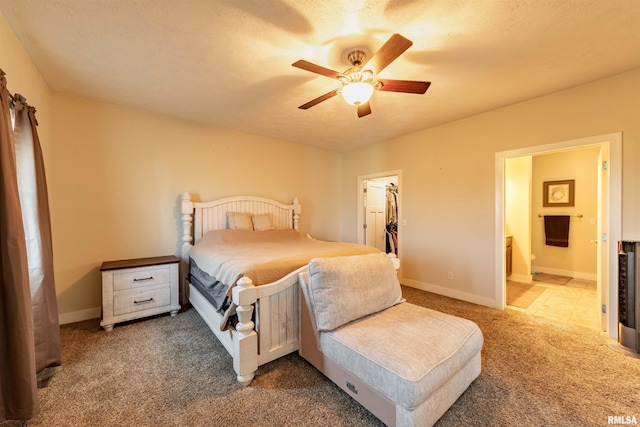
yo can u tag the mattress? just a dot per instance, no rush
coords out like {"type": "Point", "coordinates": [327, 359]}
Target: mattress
{"type": "Point", "coordinates": [211, 289]}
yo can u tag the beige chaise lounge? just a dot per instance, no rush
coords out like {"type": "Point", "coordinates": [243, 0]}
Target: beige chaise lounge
{"type": "Point", "coordinates": [406, 364]}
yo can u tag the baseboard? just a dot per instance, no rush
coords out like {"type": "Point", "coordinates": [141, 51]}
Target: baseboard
{"type": "Point", "coordinates": [451, 293]}
{"type": "Point", "coordinates": [79, 316]}
{"type": "Point", "coordinates": [559, 272]}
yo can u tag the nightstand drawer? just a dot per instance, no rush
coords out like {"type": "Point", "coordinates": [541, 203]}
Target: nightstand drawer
{"type": "Point", "coordinates": [141, 277]}
{"type": "Point", "coordinates": [140, 287]}
{"type": "Point", "coordinates": [130, 301]}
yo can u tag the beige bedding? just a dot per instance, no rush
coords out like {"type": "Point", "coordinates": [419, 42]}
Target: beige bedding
{"type": "Point", "coordinates": [263, 256]}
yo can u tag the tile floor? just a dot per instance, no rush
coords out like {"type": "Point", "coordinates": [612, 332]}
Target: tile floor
{"type": "Point", "coordinates": [574, 303]}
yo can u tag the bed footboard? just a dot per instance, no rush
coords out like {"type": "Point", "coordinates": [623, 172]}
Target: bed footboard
{"type": "Point", "coordinates": [275, 332]}
{"type": "Point", "coordinates": [240, 342]}
{"type": "Point", "coordinates": [245, 341]}
{"type": "Point", "coordinates": [278, 318]}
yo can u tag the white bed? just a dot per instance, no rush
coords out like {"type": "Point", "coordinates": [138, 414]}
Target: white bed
{"type": "Point", "coordinates": [276, 330]}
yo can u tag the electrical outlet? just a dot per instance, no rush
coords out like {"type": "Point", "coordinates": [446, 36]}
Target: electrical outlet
{"type": "Point", "coordinates": [450, 275]}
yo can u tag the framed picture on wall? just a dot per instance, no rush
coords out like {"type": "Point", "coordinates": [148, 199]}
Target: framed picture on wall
{"type": "Point", "coordinates": [558, 193]}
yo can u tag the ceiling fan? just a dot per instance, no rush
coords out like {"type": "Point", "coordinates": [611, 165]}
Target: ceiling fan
{"type": "Point", "coordinates": [359, 82]}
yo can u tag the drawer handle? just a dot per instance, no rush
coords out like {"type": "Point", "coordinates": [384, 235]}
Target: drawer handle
{"type": "Point", "coordinates": [143, 279]}
{"type": "Point", "coordinates": [143, 301]}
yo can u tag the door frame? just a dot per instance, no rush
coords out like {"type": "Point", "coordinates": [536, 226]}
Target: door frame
{"type": "Point", "coordinates": [360, 210]}
{"type": "Point", "coordinates": [375, 230]}
{"type": "Point", "coordinates": [613, 227]}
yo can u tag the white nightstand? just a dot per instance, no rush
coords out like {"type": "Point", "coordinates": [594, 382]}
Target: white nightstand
{"type": "Point", "coordinates": [136, 288]}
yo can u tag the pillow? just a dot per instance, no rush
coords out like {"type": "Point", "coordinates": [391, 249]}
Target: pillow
{"type": "Point", "coordinates": [343, 289]}
{"type": "Point", "coordinates": [262, 222]}
{"type": "Point", "coordinates": [239, 221]}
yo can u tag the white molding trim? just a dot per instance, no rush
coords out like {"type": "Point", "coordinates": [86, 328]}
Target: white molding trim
{"type": "Point", "coordinates": [79, 316]}
{"type": "Point", "coordinates": [614, 226]}
{"type": "Point", "coordinates": [360, 198]}
{"type": "Point", "coordinates": [451, 293]}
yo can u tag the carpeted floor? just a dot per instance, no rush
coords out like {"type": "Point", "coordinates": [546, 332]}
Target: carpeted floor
{"type": "Point", "coordinates": [172, 372]}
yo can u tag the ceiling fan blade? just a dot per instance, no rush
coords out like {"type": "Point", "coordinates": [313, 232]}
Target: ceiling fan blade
{"type": "Point", "coordinates": [319, 99]}
{"type": "Point", "coordinates": [314, 68]}
{"type": "Point", "coordinates": [388, 53]}
{"type": "Point", "coordinates": [406, 86]}
{"type": "Point", "coordinates": [364, 109]}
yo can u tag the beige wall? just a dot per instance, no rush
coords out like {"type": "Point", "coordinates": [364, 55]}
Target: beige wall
{"type": "Point", "coordinates": [120, 173]}
{"type": "Point", "coordinates": [448, 188]}
{"type": "Point", "coordinates": [579, 259]}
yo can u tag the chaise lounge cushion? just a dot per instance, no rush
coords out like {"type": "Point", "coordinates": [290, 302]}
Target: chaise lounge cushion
{"type": "Point", "coordinates": [407, 352]}
{"type": "Point", "coordinates": [342, 289]}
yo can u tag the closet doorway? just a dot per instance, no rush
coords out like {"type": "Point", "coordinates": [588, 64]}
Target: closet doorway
{"type": "Point", "coordinates": [378, 211]}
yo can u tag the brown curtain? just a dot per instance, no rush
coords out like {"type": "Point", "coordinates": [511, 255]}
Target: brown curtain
{"type": "Point", "coordinates": [29, 329]}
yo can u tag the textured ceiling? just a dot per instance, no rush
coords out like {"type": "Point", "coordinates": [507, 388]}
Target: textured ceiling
{"type": "Point", "coordinates": [228, 62]}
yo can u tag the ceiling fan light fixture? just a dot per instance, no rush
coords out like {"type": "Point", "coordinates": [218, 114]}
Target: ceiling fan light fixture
{"type": "Point", "coordinates": [357, 93]}
{"type": "Point", "coordinates": [359, 82]}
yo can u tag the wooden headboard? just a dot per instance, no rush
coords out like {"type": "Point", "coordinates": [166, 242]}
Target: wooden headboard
{"type": "Point", "coordinates": [200, 217]}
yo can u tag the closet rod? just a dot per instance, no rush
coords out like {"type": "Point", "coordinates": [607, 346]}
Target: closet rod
{"type": "Point", "coordinates": [573, 216]}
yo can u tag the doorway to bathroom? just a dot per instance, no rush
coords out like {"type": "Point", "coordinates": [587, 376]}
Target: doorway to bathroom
{"type": "Point", "coordinates": [600, 222]}
{"type": "Point", "coordinates": [552, 271]}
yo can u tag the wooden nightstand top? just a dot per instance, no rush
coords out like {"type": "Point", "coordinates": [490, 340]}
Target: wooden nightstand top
{"type": "Point", "coordinates": [138, 262]}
